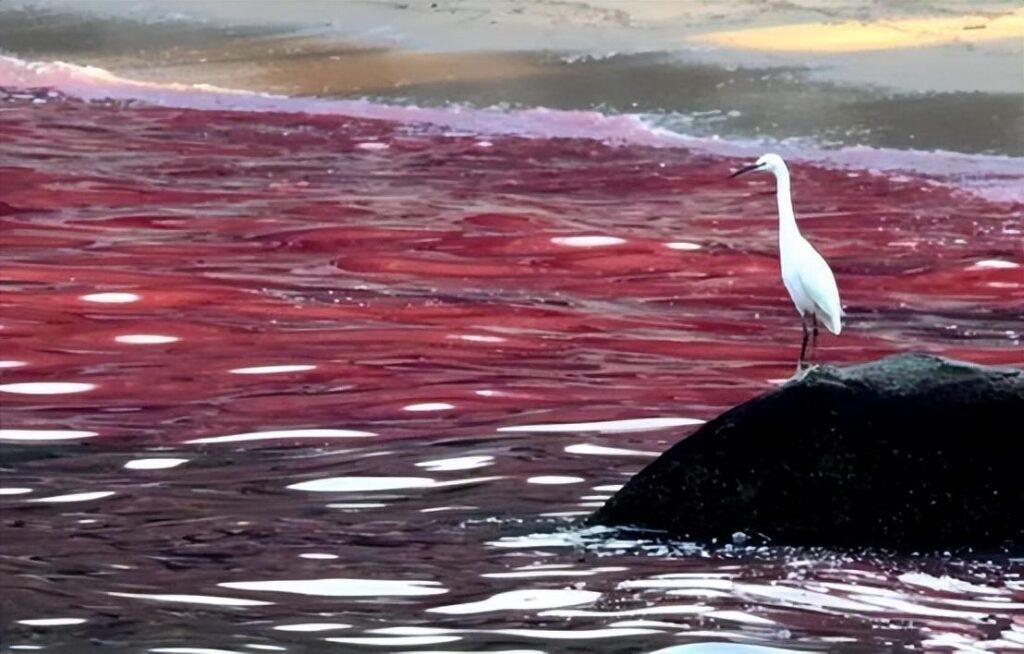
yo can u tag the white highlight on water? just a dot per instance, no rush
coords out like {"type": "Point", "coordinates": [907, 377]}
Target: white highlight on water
{"type": "Point", "coordinates": [429, 406]}
{"type": "Point", "coordinates": [521, 600]}
{"type": "Point", "coordinates": [457, 463]}
{"type": "Point", "coordinates": [313, 626]}
{"type": "Point", "coordinates": [554, 480]}
{"type": "Point", "coordinates": [44, 434]}
{"type": "Point", "coordinates": [146, 339]}
{"type": "Point", "coordinates": [52, 622]}
{"type": "Point", "coordinates": [372, 484]}
{"type": "Point", "coordinates": [995, 263]}
{"type": "Point", "coordinates": [74, 497]}
{"type": "Point", "coordinates": [607, 426]}
{"type": "Point", "coordinates": [478, 338]}
{"type": "Point", "coordinates": [395, 641]}
{"type": "Point", "coordinates": [682, 245]}
{"type": "Point", "coordinates": [272, 370]}
{"type": "Point", "coordinates": [600, 450]}
{"type": "Point", "coordinates": [111, 298]}
{"type": "Point", "coordinates": [282, 434]}
{"type": "Point", "coordinates": [46, 388]}
{"type": "Point", "coordinates": [154, 464]}
{"type": "Point", "coordinates": [192, 599]}
{"type": "Point", "coordinates": [587, 241]}
{"type": "Point", "coordinates": [342, 587]}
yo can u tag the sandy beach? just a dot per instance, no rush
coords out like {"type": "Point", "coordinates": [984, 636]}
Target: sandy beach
{"type": "Point", "coordinates": [898, 74]}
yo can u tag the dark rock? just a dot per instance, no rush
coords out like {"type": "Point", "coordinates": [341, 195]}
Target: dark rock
{"type": "Point", "coordinates": [907, 453]}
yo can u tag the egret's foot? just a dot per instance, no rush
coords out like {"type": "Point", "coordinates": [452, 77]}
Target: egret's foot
{"type": "Point", "coordinates": [802, 371]}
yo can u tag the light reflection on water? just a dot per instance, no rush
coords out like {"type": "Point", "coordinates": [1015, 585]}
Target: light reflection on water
{"type": "Point", "coordinates": [268, 566]}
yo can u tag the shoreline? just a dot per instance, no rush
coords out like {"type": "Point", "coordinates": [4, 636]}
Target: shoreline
{"type": "Point", "coordinates": [929, 92]}
{"type": "Point", "coordinates": [908, 47]}
{"type": "Point", "coordinates": [994, 178]}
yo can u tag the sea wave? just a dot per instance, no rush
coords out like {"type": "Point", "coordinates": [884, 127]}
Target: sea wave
{"type": "Point", "coordinates": [994, 177]}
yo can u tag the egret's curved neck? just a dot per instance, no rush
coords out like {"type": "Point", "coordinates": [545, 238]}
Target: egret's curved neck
{"type": "Point", "coordinates": [787, 221]}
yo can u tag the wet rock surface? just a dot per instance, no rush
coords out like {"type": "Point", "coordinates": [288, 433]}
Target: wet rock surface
{"type": "Point", "coordinates": [907, 453]}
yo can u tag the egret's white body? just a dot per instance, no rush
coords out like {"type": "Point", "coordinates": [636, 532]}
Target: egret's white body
{"type": "Point", "coordinates": [805, 274]}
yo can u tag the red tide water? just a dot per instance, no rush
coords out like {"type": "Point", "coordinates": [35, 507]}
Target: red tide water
{"type": "Point", "coordinates": [399, 265]}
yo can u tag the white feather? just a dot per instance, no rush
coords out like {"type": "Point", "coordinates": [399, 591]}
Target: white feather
{"type": "Point", "coordinates": [805, 273]}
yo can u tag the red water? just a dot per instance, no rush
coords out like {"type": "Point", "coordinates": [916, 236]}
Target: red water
{"type": "Point", "coordinates": [418, 279]}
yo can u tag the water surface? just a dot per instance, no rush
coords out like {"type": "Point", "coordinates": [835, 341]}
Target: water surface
{"type": "Point", "coordinates": [283, 382]}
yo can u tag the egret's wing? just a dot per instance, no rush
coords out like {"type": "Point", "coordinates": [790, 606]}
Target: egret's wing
{"type": "Point", "coordinates": [820, 286]}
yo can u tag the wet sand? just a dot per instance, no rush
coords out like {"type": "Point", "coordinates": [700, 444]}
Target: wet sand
{"type": "Point", "coordinates": [942, 75]}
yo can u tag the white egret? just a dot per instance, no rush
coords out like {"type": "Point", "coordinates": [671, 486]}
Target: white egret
{"type": "Point", "coordinates": [805, 273]}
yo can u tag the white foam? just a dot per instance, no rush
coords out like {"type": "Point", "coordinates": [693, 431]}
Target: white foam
{"type": "Point", "coordinates": [608, 426]}
{"type": "Point", "coordinates": [318, 556]}
{"type": "Point", "coordinates": [46, 388]}
{"type": "Point", "coordinates": [805, 599]}
{"type": "Point", "coordinates": [342, 587]}
{"type": "Point", "coordinates": [282, 435]}
{"type": "Point", "coordinates": [949, 584]}
{"type": "Point", "coordinates": [996, 177]}
{"type": "Point", "coordinates": [14, 490]}
{"type": "Point", "coordinates": [44, 434]}
{"type": "Point", "coordinates": [906, 607]}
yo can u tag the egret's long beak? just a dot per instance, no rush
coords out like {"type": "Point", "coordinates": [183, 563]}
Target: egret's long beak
{"type": "Point", "coordinates": [746, 169]}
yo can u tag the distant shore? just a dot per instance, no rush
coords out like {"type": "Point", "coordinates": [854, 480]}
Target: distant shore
{"type": "Point", "coordinates": [898, 74]}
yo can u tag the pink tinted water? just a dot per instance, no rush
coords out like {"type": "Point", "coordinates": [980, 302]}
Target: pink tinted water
{"type": "Point", "coordinates": [427, 292]}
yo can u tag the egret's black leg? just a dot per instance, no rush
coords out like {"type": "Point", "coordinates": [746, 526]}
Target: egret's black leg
{"type": "Point", "coordinates": [803, 346]}
{"type": "Point", "coordinates": [814, 340]}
